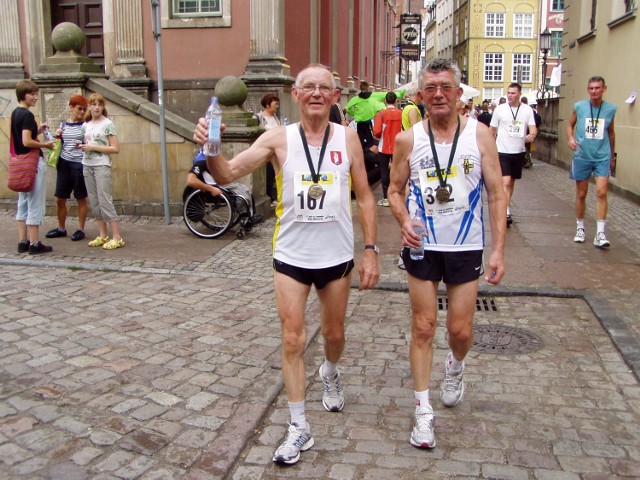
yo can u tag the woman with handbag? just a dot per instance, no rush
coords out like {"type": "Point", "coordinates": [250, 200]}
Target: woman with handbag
{"type": "Point", "coordinates": [69, 169]}
{"type": "Point", "coordinates": [26, 146]}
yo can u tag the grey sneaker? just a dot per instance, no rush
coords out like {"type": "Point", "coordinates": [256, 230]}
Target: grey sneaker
{"type": "Point", "coordinates": [453, 386]}
{"type": "Point", "coordinates": [423, 435]}
{"type": "Point", "coordinates": [580, 236]}
{"type": "Point", "coordinates": [332, 392]}
{"type": "Point", "coordinates": [297, 440]}
{"type": "Point", "coordinates": [601, 240]}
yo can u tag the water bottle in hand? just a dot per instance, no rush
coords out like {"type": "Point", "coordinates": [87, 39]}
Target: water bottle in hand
{"type": "Point", "coordinates": [48, 135]}
{"type": "Point", "coordinates": [214, 117]}
{"type": "Point", "coordinates": [420, 229]}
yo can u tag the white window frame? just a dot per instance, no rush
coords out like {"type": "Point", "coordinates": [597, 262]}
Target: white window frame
{"type": "Point", "coordinates": [494, 67]}
{"type": "Point", "coordinates": [169, 19]}
{"type": "Point", "coordinates": [523, 25]}
{"type": "Point", "coordinates": [524, 59]}
{"type": "Point", "coordinates": [554, 8]}
{"type": "Point", "coordinates": [493, 23]}
{"type": "Point", "coordinates": [492, 93]}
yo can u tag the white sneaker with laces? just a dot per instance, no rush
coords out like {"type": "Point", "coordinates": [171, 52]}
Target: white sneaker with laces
{"type": "Point", "coordinates": [601, 240]}
{"type": "Point", "coordinates": [452, 386]}
{"type": "Point", "coordinates": [297, 440]}
{"type": "Point", "coordinates": [423, 435]}
{"type": "Point", "coordinates": [580, 236]}
{"type": "Point", "coordinates": [332, 392]}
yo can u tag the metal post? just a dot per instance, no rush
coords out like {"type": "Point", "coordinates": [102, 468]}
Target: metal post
{"type": "Point", "coordinates": [155, 20]}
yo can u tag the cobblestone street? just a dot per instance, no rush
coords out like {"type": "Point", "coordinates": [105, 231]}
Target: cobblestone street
{"type": "Point", "coordinates": [161, 360]}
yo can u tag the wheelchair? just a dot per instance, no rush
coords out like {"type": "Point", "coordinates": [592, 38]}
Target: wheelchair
{"type": "Point", "coordinates": [207, 216]}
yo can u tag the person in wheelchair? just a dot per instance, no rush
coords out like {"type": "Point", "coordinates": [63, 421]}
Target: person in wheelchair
{"type": "Point", "coordinates": [199, 177]}
{"type": "Point", "coordinates": [220, 208]}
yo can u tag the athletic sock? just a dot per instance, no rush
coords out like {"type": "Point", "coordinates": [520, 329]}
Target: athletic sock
{"type": "Point", "coordinates": [296, 410]}
{"type": "Point", "coordinates": [454, 364]}
{"type": "Point", "coordinates": [329, 369]}
{"type": "Point", "coordinates": [580, 223]}
{"type": "Point", "coordinates": [601, 224]}
{"type": "Point", "coordinates": [422, 398]}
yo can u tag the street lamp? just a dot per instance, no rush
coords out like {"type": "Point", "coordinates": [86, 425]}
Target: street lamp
{"type": "Point", "coordinates": [544, 41]}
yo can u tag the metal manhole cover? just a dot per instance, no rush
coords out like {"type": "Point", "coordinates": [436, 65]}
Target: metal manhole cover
{"type": "Point", "coordinates": [504, 340]}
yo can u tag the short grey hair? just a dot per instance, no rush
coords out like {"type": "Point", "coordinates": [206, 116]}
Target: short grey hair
{"type": "Point", "coordinates": [438, 65]}
{"type": "Point", "coordinates": [315, 65]}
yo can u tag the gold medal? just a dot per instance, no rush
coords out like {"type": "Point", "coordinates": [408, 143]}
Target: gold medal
{"type": "Point", "coordinates": [442, 194]}
{"type": "Point", "coordinates": [316, 191]}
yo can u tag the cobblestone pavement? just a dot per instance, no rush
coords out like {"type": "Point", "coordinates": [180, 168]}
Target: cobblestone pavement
{"type": "Point", "coordinates": [161, 360]}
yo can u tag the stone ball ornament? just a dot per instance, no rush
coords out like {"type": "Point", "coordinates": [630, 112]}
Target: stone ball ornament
{"type": "Point", "coordinates": [231, 91]}
{"type": "Point", "coordinates": [67, 37]}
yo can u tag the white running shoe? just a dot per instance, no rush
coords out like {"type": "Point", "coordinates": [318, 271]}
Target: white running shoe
{"type": "Point", "coordinates": [423, 435]}
{"type": "Point", "coordinates": [297, 440]}
{"type": "Point", "coordinates": [332, 392]}
{"type": "Point", "coordinates": [601, 240]}
{"type": "Point", "coordinates": [580, 236]}
{"type": "Point", "coordinates": [383, 202]}
{"type": "Point", "coordinates": [453, 386]}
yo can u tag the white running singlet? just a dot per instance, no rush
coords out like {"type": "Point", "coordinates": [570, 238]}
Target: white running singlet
{"type": "Point", "coordinates": [457, 224]}
{"type": "Point", "coordinates": [312, 233]}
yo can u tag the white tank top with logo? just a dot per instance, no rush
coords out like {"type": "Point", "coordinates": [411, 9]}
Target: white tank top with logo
{"type": "Point", "coordinates": [457, 224]}
{"type": "Point", "coordinates": [314, 233]}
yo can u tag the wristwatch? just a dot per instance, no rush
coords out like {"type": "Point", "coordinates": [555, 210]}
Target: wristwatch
{"type": "Point", "coordinates": [372, 247]}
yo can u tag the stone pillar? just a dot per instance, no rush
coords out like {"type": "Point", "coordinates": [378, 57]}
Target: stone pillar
{"type": "Point", "coordinates": [267, 70]}
{"type": "Point", "coordinates": [241, 131]}
{"type": "Point", "coordinates": [129, 70]}
{"type": "Point", "coordinates": [11, 66]}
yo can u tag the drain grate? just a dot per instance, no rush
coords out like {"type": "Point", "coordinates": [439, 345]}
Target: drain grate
{"type": "Point", "coordinates": [482, 304]}
{"type": "Point", "coordinates": [504, 340]}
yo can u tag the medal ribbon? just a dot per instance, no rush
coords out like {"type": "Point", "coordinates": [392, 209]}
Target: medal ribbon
{"type": "Point", "coordinates": [594, 122]}
{"type": "Point", "coordinates": [315, 176]}
{"type": "Point", "coordinates": [441, 180]}
{"type": "Point", "coordinates": [516, 115]}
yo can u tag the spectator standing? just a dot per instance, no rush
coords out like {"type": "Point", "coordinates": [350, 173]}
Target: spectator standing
{"type": "Point", "coordinates": [268, 119]}
{"type": "Point", "coordinates": [591, 136]}
{"type": "Point", "coordinates": [485, 116]}
{"type": "Point", "coordinates": [70, 178]}
{"type": "Point", "coordinates": [529, 146]}
{"type": "Point", "coordinates": [387, 124]}
{"type": "Point", "coordinates": [24, 135]}
{"type": "Point", "coordinates": [509, 125]}
{"type": "Point", "coordinates": [100, 142]}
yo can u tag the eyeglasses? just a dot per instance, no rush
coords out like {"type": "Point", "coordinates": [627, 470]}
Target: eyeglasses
{"type": "Point", "coordinates": [311, 88]}
{"type": "Point", "coordinates": [444, 88]}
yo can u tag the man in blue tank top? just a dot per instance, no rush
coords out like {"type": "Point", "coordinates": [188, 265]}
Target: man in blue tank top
{"type": "Point", "coordinates": [591, 136]}
{"type": "Point", "coordinates": [446, 160]}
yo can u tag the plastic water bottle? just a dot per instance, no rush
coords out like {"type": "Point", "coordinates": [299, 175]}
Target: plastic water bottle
{"type": "Point", "coordinates": [420, 229]}
{"type": "Point", "coordinates": [285, 121]}
{"type": "Point", "coordinates": [214, 116]}
{"type": "Point", "coordinates": [48, 135]}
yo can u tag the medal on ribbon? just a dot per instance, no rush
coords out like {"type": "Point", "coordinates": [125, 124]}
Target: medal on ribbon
{"type": "Point", "coordinates": [315, 190]}
{"type": "Point", "coordinates": [442, 192]}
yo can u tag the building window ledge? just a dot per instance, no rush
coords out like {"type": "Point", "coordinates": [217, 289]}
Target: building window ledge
{"type": "Point", "coordinates": [586, 36]}
{"type": "Point", "coordinates": [623, 19]}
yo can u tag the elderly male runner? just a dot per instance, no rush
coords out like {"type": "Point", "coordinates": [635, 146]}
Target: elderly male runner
{"type": "Point", "coordinates": [446, 160]}
{"type": "Point", "coordinates": [316, 162]}
{"type": "Point", "coordinates": [594, 146]}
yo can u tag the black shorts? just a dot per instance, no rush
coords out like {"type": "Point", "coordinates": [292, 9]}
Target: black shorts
{"type": "Point", "coordinates": [319, 277]}
{"type": "Point", "coordinates": [450, 267]}
{"type": "Point", "coordinates": [511, 164]}
{"type": "Point", "coordinates": [70, 179]}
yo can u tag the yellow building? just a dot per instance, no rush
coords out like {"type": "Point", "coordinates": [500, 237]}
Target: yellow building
{"type": "Point", "coordinates": [495, 44]}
